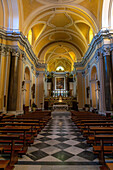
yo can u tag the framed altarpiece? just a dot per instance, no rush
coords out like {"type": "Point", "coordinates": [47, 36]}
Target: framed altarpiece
{"type": "Point", "coordinates": [59, 83]}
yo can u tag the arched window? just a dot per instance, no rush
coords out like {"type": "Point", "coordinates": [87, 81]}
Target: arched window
{"type": "Point", "coordinates": [60, 68]}
{"type": "Point", "coordinates": [90, 35]}
{"type": "Point", "coordinates": [30, 36]}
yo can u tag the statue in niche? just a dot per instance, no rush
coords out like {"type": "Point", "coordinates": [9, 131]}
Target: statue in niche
{"type": "Point", "coordinates": [33, 91]}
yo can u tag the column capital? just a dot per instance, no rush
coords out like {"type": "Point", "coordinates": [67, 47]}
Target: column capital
{"type": "Point", "coordinates": [105, 50]}
{"type": "Point", "coordinates": [97, 56]}
{"type": "Point", "coordinates": [32, 68]}
{"type": "Point", "coordinates": [8, 50]}
{"type": "Point", "coordinates": [3, 50]}
{"type": "Point", "coordinates": [15, 53]}
{"type": "Point", "coordinates": [88, 67]}
{"type": "Point", "coordinates": [37, 74]}
{"type": "Point", "coordinates": [83, 74]}
{"type": "Point", "coordinates": [23, 57]}
{"type": "Point", "coordinates": [111, 48]}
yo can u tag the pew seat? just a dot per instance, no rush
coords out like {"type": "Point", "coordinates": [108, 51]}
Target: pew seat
{"type": "Point", "coordinates": [4, 165]}
{"type": "Point", "coordinates": [106, 149]}
{"type": "Point", "coordinates": [109, 166]}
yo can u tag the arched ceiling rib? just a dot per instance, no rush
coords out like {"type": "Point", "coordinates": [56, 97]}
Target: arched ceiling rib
{"type": "Point", "coordinates": [69, 22]}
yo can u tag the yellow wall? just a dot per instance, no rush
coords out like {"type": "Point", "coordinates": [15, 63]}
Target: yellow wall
{"type": "Point", "coordinates": [27, 94]}
{"type": "Point", "coordinates": [93, 95]}
{"type": "Point", "coordinates": [2, 80]}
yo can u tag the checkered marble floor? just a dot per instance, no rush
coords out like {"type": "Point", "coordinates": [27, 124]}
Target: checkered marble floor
{"type": "Point", "coordinates": [59, 143]}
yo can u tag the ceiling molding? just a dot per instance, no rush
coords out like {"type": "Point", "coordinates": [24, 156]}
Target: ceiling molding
{"type": "Point", "coordinates": [45, 35]}
{"type": "Point", "coordinates": [48, 7]}
{"type": "Point", "coordinates": [58, 1]}
{"type": "Point", "coordinates": [59, 12]}
{"type": "Point", "coordinates": [66, 33]}
{"type": "Point", "coordinates": [68, 43]}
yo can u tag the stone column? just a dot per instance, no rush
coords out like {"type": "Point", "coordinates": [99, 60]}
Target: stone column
{"type": "Point", "coordinates": [45, 87]}
{"type": "Point", "coordinates": [3, 60]}
{"type": "Point", "coordinates": [20, 79]}
{"type": "Point", "coordinates": [83, 87]}
{"type": "Point", "coordinates": [112, 76]}
{"type": "Point", "coordinates": [54, 83]}
{"type": "Point", "coordinates": [89, 89]}
{"type": "Point", "coordinates": [13, 81]}
{"type": "Point", "coordinates": [107, 66]}
{"type": "Point", "coordinates": [67, 84]}
{"type": "Point", "coordinates": [37, 81]}
{"type": "Point", "coordinates": [101, 78]}
{"type": "Point", "coordinates": [40, 90]}
{"type": "Point", "coordinates": [23, 83]}
{"type": "Point", "coordinates": [6, 83]}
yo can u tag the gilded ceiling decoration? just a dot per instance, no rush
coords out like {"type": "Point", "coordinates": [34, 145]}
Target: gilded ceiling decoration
{"type": "Point", "coordinates": [60, 19]}
{"type": "Point", "coordinates": [56, 23]}
{"type": "Point", "coordinates": [59, 1]}
{"type": "Point", "coordinates": [59, 35]}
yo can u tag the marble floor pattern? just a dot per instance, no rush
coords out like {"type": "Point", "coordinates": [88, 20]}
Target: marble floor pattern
{"type": "Point", "coordinates": [59, 146]}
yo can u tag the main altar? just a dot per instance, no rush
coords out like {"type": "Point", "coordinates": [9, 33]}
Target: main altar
{"type": "Point", "coordinates": [61, 91]}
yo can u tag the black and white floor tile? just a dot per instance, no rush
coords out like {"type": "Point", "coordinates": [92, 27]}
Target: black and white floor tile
{"type": "Point", "coordinates": [59, 144]}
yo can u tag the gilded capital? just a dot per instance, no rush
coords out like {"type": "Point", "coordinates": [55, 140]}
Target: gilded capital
{"type": "Point", "coordinates": [106, 51]}
{"type": "Point", "coordinates": [3, 50]}
{"type": "Point", "coordinates": [83, 73]}
{"type": "Point", "coordinates": [88, 67]}
{"type": "Point", "coordinates": [15, 53]}
{"type": "Point", "coordinates": [37, 74]}
{"type": "Point", "coordinates": [32, 68]}
{"type": "Point", "coordinates": [23, 57]}
{"type": "Point", "coordinates": [97, 56]}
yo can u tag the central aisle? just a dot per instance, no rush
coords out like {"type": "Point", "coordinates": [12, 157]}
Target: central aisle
{"type": "Point", "coordinates": [60, 143]}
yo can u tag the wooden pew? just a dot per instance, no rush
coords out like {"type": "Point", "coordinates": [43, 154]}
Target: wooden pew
{"type": "Point", "coordinates": [4, 165]}
{"type": "Point", "coordinates": [35, 126]}
{"type": "Point", "coordinates": [85, 128]}
{"type": "Point", "coordinates": [109, 166]}
{"type": "Point", "coordinates": [11, 149]}
{"type": "Point", "coordinates": [97, 121]}
{"type": "Point", "coordinates": [99, 130]}
{"type": "Point", "coordinates": [103, 150]}
{"type": "Point", "coordinates": [22, 129]}
{"type": "Point", "coordinates": [40, 125]}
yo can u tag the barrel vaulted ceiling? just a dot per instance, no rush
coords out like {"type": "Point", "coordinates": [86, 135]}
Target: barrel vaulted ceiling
{"type": "Point", "coordinates": [60, 30]}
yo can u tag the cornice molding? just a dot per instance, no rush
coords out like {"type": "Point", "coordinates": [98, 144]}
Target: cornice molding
{"type": "Point", "coordinates": [106, 50]}
{"type": "Point", "coordinates": [98, 39]}
{"type": "Point", "coordinates": [16, 51]}
{"type": "Point", "coordinates": [19, 37]}
{"type": "Point", "coordinates": [41, 65]}
{"type": "Point", "coordinates": [4, 50]}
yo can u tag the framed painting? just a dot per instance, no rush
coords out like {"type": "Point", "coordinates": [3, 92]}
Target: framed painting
{"type": "Point", "coordinates": [59, 83]}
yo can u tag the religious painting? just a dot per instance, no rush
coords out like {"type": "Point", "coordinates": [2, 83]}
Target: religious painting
{"type": "Point", "coordinates": [59, 83]}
